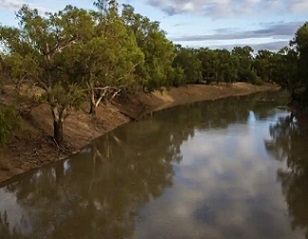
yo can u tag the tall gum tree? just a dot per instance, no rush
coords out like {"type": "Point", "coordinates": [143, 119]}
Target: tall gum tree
{"type": "Point", "coordinates": [263, 64]}
{"type": "Point", "coordinates": [44, 41]}
{"type": "Point", "coordinates": [187, 60]}
{"type": "Point", "coordinates": [208, 64]}
{"type": "Point", "coordinates": [158, 51]}
{"type": "Point", "coordinates": [246, 71]}
{"type": "Point", "coordinates": [109, 59]}
{"type": "Point", "coordinates": [300, 42]}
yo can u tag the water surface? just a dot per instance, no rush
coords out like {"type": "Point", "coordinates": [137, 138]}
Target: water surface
{"type": "Point", "coordinates": [233, 168]}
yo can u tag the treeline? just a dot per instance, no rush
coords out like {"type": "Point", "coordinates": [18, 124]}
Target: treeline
{"type": "Point", "coordinates": [288, 67]}
{"type": "Point", "coordinates": [95, 55]}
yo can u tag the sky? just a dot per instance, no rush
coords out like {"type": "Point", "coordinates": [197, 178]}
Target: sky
{"type": "Point", "coordinates": [262, 24]}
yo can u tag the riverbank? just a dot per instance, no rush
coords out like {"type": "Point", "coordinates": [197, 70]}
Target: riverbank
{"type": "Point", "coordinates": [33, 146]}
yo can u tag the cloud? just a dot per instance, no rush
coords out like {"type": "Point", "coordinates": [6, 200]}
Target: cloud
{"type": "Point", "coordinates": [227, 8]}
{"type": "Point", "coordinates": [229, 193]}
{"type": "Point", "coordinates": [271, 46]}
{"type": "Point", "coordinates": [300, 6]}
{"type": "Point", "coordinates": [17, 4]}
{"type": "Point", "coordinates": [222, 7]}
{"type": "Point", "coordinates": [278, 30]}
{"type": "Point", "coordinates": [278, 35]}
{"type": "Point", "coordinates": [180, 24]}
{"type": "Point", "coordinates": [11, 4]}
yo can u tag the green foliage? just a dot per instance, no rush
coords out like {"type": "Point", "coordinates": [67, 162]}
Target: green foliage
{"type": "Point", "coordinates": [105, 63]}
{"type": "Point", "coordinates": [225, 67]}
{"type": "Point", "coordinates": [21, 67]}
{"type": "Point", "coordinates": [187, 59]}
{"type": "Point", "coordinates": [36, 50]}
{"type": "Point", "coordinates": [300, 42]}
{"type": "Point", "coordinates": [244, 56]}
{"type": "Point", "coordinates": [289, 66]}
{"type": "Point", "coordinates": [9, 122]}
{"type": "Point", "coordinates": [263, 64]}
{"type": "Point", "coordinates": [63, 95]}
{"type": "Point", "coordinates": [285, 70]}
{"type": "Point", "coordinates": [177, 76]}
{"type": "Point", "coordinates": [256, 80]}
{"type": "Point", "coordinates": [208, 64]}
{"type": "Point", "coordinates": [159, 52]}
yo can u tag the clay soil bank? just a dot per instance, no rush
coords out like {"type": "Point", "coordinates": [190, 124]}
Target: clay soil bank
{"type": "Point", "coordinates": [33, 146]}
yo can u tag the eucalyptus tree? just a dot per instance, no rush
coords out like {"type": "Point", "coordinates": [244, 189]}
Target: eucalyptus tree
{"type": "Point", "coordinates": [289, 66]}
{"type": "Point", "coordinates": [233, 69]}
{"type": "Point", "coordinates": [38, 53]}
{"type": "Point", "coordinates": [224, 67]}
{"type": "Point", "coordinates": [209, 64]}
{"type": "Point", "coordinates": [285, 70]}
{"type": "Point", "coordinates": [263, 64]}
{"type": "Point", "coordinates": [158, 51]}
{"type": "Point", "coordinates": [218, 65]}
{"type": "Point", "coordinates": [245, 58]}
{"type": "Point", "coordinates": [187, 59]}
{"type": "Point", "coordinates": [108, 60]}
{"type": "Point", "coordinates": [300, 42]}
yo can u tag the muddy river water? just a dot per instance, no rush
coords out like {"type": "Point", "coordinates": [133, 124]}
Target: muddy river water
{"type": "Point", "coordinates": [232, 168]}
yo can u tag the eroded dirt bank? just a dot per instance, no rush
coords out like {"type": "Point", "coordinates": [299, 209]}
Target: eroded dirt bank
{"type": "Point", "coordinates": [32, 146]}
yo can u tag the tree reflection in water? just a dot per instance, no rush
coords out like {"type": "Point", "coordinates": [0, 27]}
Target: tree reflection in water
{"type": "Point", "coordinates": [289, 141]}
{"type": "Point", "coordinates": [97, 193]}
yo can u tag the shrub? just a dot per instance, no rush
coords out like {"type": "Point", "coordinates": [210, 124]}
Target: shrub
{"type": "Point", "coordinates": [9, 122]}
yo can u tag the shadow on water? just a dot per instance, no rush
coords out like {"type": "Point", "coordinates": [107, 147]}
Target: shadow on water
{"type": "Point", "coordinates": [97, 193]}
{"type": "Point", "coordinates": [289, 144]}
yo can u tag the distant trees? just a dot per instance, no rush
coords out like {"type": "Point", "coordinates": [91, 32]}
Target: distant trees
{"type": "Point", "coordinates": [263, 64]}
{"type": "Point", "coordinates": [206, 65]}
{"type": "Point", "coordinates": [227, 67]}
{"type": "Point", "coordinates": [246, 72]}
{"type": "Point", "coordinates": [287, 67]}
{"type": "Point", "coordinates": [187, 60]}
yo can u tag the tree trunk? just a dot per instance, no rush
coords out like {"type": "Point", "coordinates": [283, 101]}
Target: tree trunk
{"type": "Point", "coordinates": [58, 131]}
{"type": "Point", "coordinates": [92, 109]}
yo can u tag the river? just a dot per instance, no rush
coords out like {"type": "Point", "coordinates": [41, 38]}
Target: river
{"type": "Point", "coordinates": [231, 168]}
